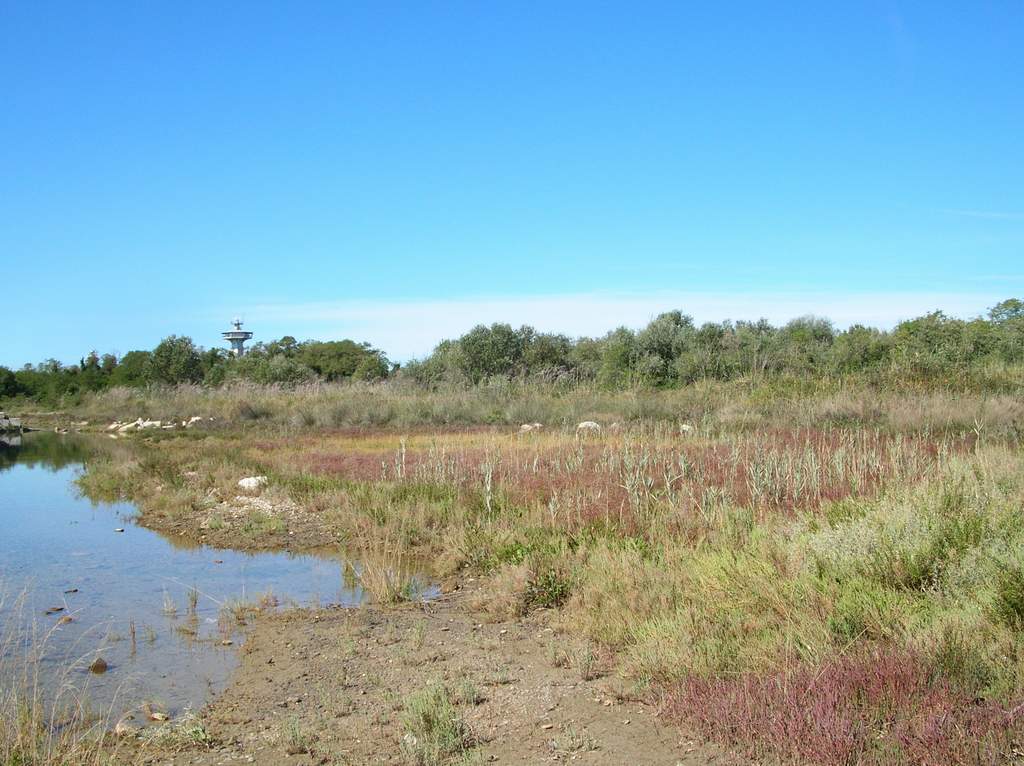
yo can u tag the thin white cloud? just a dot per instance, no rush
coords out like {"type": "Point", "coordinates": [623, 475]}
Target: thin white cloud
{"type": "Point", "coordinates": [411, 328]}
{"type": "Point", "coordinates": [996, 215]}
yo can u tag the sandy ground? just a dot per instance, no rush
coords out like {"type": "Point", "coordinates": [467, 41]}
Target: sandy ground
{"type": "Point", "coordinates": [327, 687]}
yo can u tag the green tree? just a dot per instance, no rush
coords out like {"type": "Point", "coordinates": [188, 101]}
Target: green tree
{"type": "Point", "coordinates": [372, 367]}
{"type": "Point", "coordinates": [336, 360]}
{"type": "Point", "coordinates": [8, 383]}
{"type": "Point", "coordinates": [133, 369]}
{"type": "Point", "coordinates": [617, 354]}
{"type": "Point", "coordinates": [546, 352]}
{"type": "Point", "coordinates": [1009, 310]}
{"type": "Point", "coordinates": [860, 348]}
{"type": "Point", "coordinates": [657, 347]}
{"type": "Point", "coordinates": [494, 350]}
{"type": "Point", "coordinates": [176, 360]}
{"type": "Point", "coordinates": [804, 344]}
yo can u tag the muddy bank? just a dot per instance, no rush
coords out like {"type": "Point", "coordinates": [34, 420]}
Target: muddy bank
{"type": "Point", "coordinates": [333, 687]}
{"type": "Point", "coordinates": [240, 521]}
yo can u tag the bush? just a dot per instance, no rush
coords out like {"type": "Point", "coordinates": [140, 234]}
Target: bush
{"type": "Point", "coordinates": [435, 730]}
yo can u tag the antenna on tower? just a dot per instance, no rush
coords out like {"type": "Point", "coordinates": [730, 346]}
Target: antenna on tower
{"type": "Point", "coordinates": [237, 337]}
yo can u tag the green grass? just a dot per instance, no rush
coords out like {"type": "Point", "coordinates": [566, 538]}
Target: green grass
{"type": "Point", "coordinates": [768, 542]}
{"type": "Point", "coordinates": [435, 732]}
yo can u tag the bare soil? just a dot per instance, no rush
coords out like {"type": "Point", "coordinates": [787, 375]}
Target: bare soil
{"type": "Point", "coordinates": [327, 687]}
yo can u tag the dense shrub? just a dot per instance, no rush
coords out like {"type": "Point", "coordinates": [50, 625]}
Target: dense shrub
{"type": "Point", "coordinates": [934, 351]}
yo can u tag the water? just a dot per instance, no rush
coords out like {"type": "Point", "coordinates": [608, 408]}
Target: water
{"type": "Point", "coordinates": [52, 540]}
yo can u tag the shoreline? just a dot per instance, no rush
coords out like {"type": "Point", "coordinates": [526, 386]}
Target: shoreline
{"type": "Point", "coordinates": [706, 568]}
{"type": "Point", "coordinates": [335, 686]}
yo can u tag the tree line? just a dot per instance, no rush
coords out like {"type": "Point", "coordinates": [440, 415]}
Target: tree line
{"type": "Point", "coordinates": [177, 359]}
{"type": "Point", "coordinates": [672, 350]}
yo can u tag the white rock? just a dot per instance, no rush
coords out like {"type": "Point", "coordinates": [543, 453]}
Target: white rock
{"type": "Point", "coordinates": [151, 424]}
{"type": "Point", "coordinates": [686, 428]}
{"type": "Point", "coordinates": [525, 428]}
{"type": "Point", "coordinates": [114, 426]}
{"type": "Point", "coordinates": [192, 421]}
{"type": "Point", "coordinates": [588, 426]}
{"type": "Point", "coordinates": [252, 482]}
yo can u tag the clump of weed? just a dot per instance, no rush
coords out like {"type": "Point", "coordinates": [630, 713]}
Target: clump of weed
{"type": "Point", "coordinates": [1008, 601]}
{"type": "Point", "coordinates": [170, 609]}
{"type": "Point", "coordinates": [385, 570]}
{"type": "Point", "coordinates": [435, 732]}
{"type": "Point", "coordinates": [547, 590]}
{"type": "Point", "coordinates": [187, 732]}
{"type": "Point", "coordinates": [295, 739]}
{"type": "Point", "coordinates": [465, 692]}
{"type": "Point", "coordinates": [586, 663]}
{"type": "Point", "coordinates": [881, 707]}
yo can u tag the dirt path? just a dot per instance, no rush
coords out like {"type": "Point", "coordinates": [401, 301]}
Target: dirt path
{"type": "Point", "coordinates": [329, 687]}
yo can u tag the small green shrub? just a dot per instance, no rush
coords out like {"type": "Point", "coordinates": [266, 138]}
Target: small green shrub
{"type": "Point", "coordinates": [435, 732]}
{"type": "Point", "coordinates": [546, 590]}
{"type": "Point", "coordinates": [1008, 602]}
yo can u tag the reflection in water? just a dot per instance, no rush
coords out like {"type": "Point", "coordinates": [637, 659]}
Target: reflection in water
{"type": "Point", "coordinates": [50, 451]}
{"type": "Point", "coordinates": [160, 616]}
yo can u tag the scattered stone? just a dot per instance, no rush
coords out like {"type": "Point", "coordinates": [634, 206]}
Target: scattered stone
{"type": "Point", "coordinates": [119, 529]}
{"type": "Point", "coordinates": [54, 610]}
{"type": "Point", "coordinates": [251, 483]}
{"type": "Point", "coordinates": [65, 619]}
{"type": "Point", "coordinates": [588, 426]}
{"type": "Point", "coordinates": [123, 728]}
{"type": "Point", "coordinates": [98, 666]}
{"type": "Point", "coordinates": [71, 590]}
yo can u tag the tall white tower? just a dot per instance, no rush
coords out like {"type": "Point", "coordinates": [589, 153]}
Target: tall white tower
{"type": "Point", "coordinates": [237, 337]}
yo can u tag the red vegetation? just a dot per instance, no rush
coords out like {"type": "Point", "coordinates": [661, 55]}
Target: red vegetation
{"type": "Point", "coordinates": [617, 479]}
{"type": "Point", "coordinates": [878, 708]}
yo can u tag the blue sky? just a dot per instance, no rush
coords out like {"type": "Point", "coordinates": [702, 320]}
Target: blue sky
{"type": "Point", "coordinates": [397, 172]}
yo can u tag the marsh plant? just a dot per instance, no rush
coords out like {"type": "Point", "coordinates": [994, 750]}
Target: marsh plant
{"type": "Point", "coordinates": [435, 731]}
{"type": "Point", "coordinates": [44, 720]}
{"type": "Point", "coordinates": [385, 570]}
{"type": "Point", "coordinates": [845, 559]}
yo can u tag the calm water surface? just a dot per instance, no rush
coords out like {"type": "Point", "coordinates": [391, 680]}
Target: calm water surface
{"type": "Point", "coordinates": [53, 540]}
